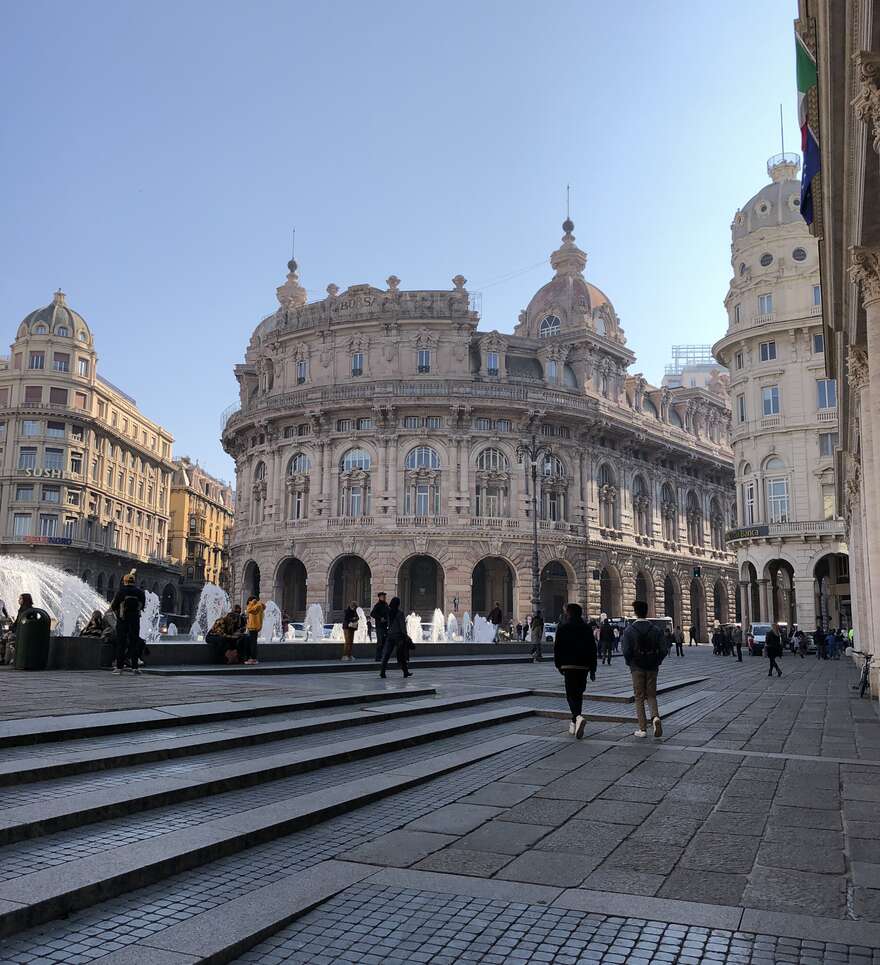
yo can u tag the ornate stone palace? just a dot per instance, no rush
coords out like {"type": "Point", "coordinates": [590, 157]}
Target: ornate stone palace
{"type": "Point", "coordinates": [375, 447]}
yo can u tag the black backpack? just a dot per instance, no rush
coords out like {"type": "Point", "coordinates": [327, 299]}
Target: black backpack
{"type": "Point", "coordinates": [647, 642]}
{"type": "Point", "coordinates": [130, 607]}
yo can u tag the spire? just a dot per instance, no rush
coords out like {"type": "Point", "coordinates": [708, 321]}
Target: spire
{"type": "Point", "coordinates": [58, 298]}
{"type": "Point", "coordinates": [569, 259]}
{"type": "Point", "coordinates": [291, 294]}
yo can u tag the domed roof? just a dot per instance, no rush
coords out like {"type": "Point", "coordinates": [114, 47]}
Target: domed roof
{"type": "Point", "coordinates": [778, 203]}
{"type": "Point", "coordinates": [58, 315]}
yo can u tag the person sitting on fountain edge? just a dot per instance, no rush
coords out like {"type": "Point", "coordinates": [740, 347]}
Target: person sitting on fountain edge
{"type": "Point", "coordinates": [128, 603]}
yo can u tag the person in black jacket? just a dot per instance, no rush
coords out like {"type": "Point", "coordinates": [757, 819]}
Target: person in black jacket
{"type": "Point", "coordinates": [644, 649]}
{"type": "Point", "coordinates": [127, 605]}
{"type": "Point", "coordinates": [379, 616]}
{"type": "Point", "coordinates": [606, 639]}
{"type": "Point", "coordinates": [397, 639]}
{"type": "Point", "coordinates": [574, 653]}
{"type": "Point", "coordinates": [773, 648]}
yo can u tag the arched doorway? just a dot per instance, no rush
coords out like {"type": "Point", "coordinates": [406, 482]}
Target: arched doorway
{"type": "Point", "coordinates": [169, 599]}
{"type": "Point", "coordinates": [554, 590]}
{"type": "Point", "coordinates": [783, 604]}
{"type": "Point", "coordinates": [610, 601]}
{"type": "Point", "coordinates": [722, 602]}
{"type": "Point", "coordinates": [290, 588]}
{"type": "Point", "coordinates": [749, 576]}
{"type": "Point", "coordinates": [698, 609]}
{"type": "Point", "coordinates": [250, 585]}
{"type": "Point", "coordinates": [833, 604]}
{"type": "Point", "coordinates": [350, 578]}
{"type": "Point", "coordinates": [672, 599]}
{"type": "Point", "coordinates": [493, 582]}
{"type": "Point", "coordinates": [645, 590]}
{"type": "Point", "coordinates": [420, 586]}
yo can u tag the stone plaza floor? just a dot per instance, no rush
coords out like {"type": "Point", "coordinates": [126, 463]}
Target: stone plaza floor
{"type": "Point", "coordinates": [321, 818]}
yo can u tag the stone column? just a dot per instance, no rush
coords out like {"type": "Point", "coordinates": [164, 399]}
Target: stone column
{"type": "Point", "coordinates": [744, 603]}
{"type": "Point", "coordinates": [326, 498]}
{"type": "Point", "coordinates": [766, 614]}
{"type": "Point", "coordinates": [805, 599]}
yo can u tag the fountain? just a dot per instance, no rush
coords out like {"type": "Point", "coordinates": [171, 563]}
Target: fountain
{"type": "Point", "coordinates": [149, 629]}
{"type": "Point", "coordinates": [484, 631]}
{"type": "Point", "coordinates": [360, 635]}
{"type": "Point", "coordinates": [172, 630]}
{"type": "Point", "coordinates": [314, 623]}
{"type": "Point", "coordinates": [438, 627]}
{"type": "Point", "coordinates": [467, 628]}
{"type": "Point", "coordinates": [271, 623]}
{"type": "Point", "coordinates": [452, 631]}
{"type": "Point", "coordinates": [62, 595]}
{"type": "Point", "coordinates": [414, 627]}
{"type": "Point", "coordinates": [336, 634]}
{"type": "Point", "coordinates": [213, 604]}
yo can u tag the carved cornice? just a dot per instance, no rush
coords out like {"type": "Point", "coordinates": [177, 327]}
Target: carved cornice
{"type": "Point", "coordinates": [867, 102]}
{"type": "Point", "coordinates": [857, 368]}
{"type": "Point", "coordinates": [864, 271]}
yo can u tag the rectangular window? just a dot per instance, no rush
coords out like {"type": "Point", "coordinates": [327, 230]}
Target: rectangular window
{"type": "Point", "coordinates": [749, 503]}
{"type": "Point", "coordinates": [37, 360]}
{"type": "Point", "coordinates": [737, 314]}
{"type": "Point", "coordinates": [502, 425]}
{"type": "Point", "coordinates": [33, 393]}
{"type": "Point", "coordinates": [738, 360]}
{"type": "Point", "coordinates": [4, 396]}
{"type": "Point", "coordinates": [424, 360]}
{"type": "Point", "coordinates": [55, 430]}
{"type": "Point", "coordinates": [16, 360]}
{"type": "Point", "coordinates": [826, 391]}
{"type": "Point", "coordinates": [61, 362]}
{"type": "Point", "coordinates": [302, 371]}
{"type": "Point", "coordinates": [741, 408]}
{"type": "Point", "coordinates": [303, 429]}
{"type": "Point", "coordinates": [27, 457]}
{"type": "Point", "coordinates": [483, 425]}
{"type": "Point", "coordinates": [2, 431]}
{"type": "Point", "coordinates": [422, 495]}
{"type": "Point", "coordinates": [344, 425]}
{"type": "Point", "coordinates": [765, 304]}
{"type": "Point", "coordinates": [21, 524]}
{"type": "Point", "coordinates": [80, 400]}
{"type": "Point", "coordinates": [770, 400]}
{"type": "Point", "coordinates": [299, 504]}
{"type": "Point", "coordinates": [84, 368]}
{"type": "Point", "coordinates": [491, 501]}
{"type": "Point", "coordinates": [364, 423]}
{"type": "Point", "coordinates": [777, 500]}
{"type": "Point", "coordinates": [70, 527]}
{"type": "Point", "coordinates": [53, 459]}
{"type": "Point", "coordinates": [355, 502]}
{"type": "Point", "coordinates": [551, 370]}
{"type": "Point", "coordinates": [76, 432]}
{"type": "Point", "coordinates": [817, 294]}
{"type": "Point", "coordinates": [73, 498]}
{"type": "Point", "coordinates": [357, 363]}
{"type": "Point", "coordinates": [24, 494]}
{"type": "Point", "coordinates": [818, 343]}
{"type": "Point", "coordinates": [433, 422]}
{"type": "Point", "coordinates": [768, 351]}
{"type": "Point", "coordinates": [102, 409]}
{"type": "Point", "coordinates": [30, 427]}
{"type": "Point", "coordinates": [827, 443]}
{"type": "Point", "coordinates": [57, 396]}
{"type": "Point", "coordinates": [51, 494]}
{"type": "Point", "coordinates": [492, 363]}
{"type": "Point", "coordinates": [48, 525]}
{"type": "Point", "coordinates": [76, 463]}
{"type": "Point", "coordinates": [410, 422]}
{"type": "Point", "coordinates": [828, 502]}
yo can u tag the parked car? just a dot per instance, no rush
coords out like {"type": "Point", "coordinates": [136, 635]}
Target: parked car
{"type": "Point", "coordinates": [549, 633]}
{"type": "Point", "coordinates": [759, 636]}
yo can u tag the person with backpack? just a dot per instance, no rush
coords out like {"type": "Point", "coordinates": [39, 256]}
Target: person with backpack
{"type": "Point", "coordinates": [773, 646]}
{"type": "Point", "coordinates": [574, 653]}
{"type": "Point", "coordinates": [397, 639]}
{"type": "Point", "coordinates": [644, 650]}
{"type": "Point", "coordinates": [606, 638]}
{"type": "Point", "coordinates": [127, 604]}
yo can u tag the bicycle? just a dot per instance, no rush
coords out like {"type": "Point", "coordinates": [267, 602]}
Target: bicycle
{"type": "Point", "coordinates": [864, 680]}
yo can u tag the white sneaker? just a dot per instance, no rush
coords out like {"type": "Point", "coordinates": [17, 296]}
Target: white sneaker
{"type": "Point", "coordinates": [116, 670]}
{"type": "Point", "coordinates": [640, 733]}
{"type": "Point", "coordinates": [658, 727]}
{"type": "Point", "coordinates": [579, 727]}
{"type": "Point", "coordinates": [571, 727]}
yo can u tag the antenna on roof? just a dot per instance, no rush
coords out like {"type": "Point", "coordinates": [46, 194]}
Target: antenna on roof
{"type": "Point", "coordinates": [293, 242]}
{"type": "Point", "coordinates": [568, 202]}
{"type": "Point", "coordinates": [781, 129]}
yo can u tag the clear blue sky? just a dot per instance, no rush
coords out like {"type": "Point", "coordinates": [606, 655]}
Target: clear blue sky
{"type": "Point", "coordinates": [154, 158]}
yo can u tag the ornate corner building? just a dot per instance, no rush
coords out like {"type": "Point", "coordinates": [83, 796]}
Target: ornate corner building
{"type": "Point", "coordinates": [376, 447]}
{"type": "Point", "coordinates": [789, 542]}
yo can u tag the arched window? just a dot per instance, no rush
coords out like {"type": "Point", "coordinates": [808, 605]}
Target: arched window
{"type": "Point", "coordinates": [492, 484]}
{"type": "Point", "coordinates": [299, 464]}
{"type": "Point", "coordinates": [554, 466]}
{"type": "Point", "coordinates": [40, 329]}
{"type": "Point", "coordinates": [354, 484]}
{"type": "Point", "coordinates": [669, 513]}
{"type": "Point", "coordinates": [258, 491]}
{"type": "Point", "coordinates": [607, 497]}
{"type": "Point", "coordinates": [62, 330]}
{"type": "Point", "coordinates": [694, 520]}
{"type": "Point", "coordinates": [641, 507]}
{"type": "Point", "coordinates": [554, 490]}
{"type": "Point", "coordinates": [550, 325]}
{"type": "Point", "coordinates": [298, 486]}
{"type": "Point", "coordinates": [260, 472]}
{"type": "Point", "coordinates": [422, 482]}
{"type": "Point", "coordinates": [777, 490]}
{"type": "Point", "coordinates": [493, 460]}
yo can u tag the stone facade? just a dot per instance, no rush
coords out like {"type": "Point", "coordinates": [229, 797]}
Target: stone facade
{"type": "Point", "coordinates": [376, 447]}
{"type": "Point", "coordinates": [84, 475]}
{"type": "Point", "coordinates": [789, 539]}
{"type": "Point", "coordinates": [843, 109]}
{"type": "Point", "coordinates": [202, 511]}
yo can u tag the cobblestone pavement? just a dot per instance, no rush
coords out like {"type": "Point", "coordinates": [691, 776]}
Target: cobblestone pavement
{"type": "Point", "coordinates": [762, 794]}
{"type": "Point", "coordinates": [372, 925]}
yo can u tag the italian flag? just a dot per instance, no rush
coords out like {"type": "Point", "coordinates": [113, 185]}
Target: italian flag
{"type": "Point", "coordinates": [806, 78]}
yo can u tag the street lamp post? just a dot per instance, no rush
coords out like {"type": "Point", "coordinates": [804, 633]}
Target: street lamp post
{"type": "Point", "coordinates": [533, 452]}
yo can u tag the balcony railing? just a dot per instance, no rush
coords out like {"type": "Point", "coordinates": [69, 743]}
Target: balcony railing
{"type": "Point", "coordinates": [765, 319]}
{"type": "Point", "coordinates": [806, 527]}
{"type": "Point", "coordinates": [827, 415]}
{"type": "Point", "coordinates": [494, 522]}
{"type": "Point", "coordinates": [815, 310]}
{"type": "Point", "coordinates": [771, 421]}
{"type": "Point", "coordinates": [422, 521]}
{"type": "Point", "coordinates": [348, 522]}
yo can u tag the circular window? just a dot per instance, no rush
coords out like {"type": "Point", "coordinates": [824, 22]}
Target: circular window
{"type": "Point", "coordinates": [742, 267]}
{"type": "Point", "coordinates": [799, 254]}
{"type": "Point", "coordinates": [763, 207]}
{"type": "Point", "coordinates": [766, 259]}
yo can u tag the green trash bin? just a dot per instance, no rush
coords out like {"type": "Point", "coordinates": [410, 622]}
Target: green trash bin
{"type": "Point", "coordinates": [32, 640]}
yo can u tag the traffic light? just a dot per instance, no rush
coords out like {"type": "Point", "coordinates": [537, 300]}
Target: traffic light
{"type": "Point", "coordinates": [697, 572]}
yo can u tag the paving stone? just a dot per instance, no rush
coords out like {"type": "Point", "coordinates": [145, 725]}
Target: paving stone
{"type": "Point", "coordinates": [786, 816]}
{"type": "Point", "coordinates": [730, 853]}
{"type": "Point", "coordinates": [501, 794]}
{"type": "Point", "coordinates": [464, 861]}
{"type": "Point", "coordinates": [539, 810]}
{"type": "Point", "coordinates": [650, 856]}
{"type": "Point", "coordinates": [533, 775]}
{"type": "Point", "coordinates": [678, 831]}
{"type": "Point", "coordinates": [733, 822]}
{"type": "Point", "coordinates": [570, 789]}
{"type": "Point", "coordinates": [399, 848]}
{"type": "Point", "coordinates": [778, 889]}
{"type": "Point", "coordinates": [503, 837]}
{"type": "Point", "coordinates": [616, 812]}
{"type": "Point", "coordinates": [866, 903]}
{"type": "Point", "coordinates": [454, 818]}
{"type": "Point", "coordinates": [585, 838]}
{"type": "Point", "coordinates": [623, 881]}
{"type": "Point", "coordinates": [548, 868]}
{"type": "Point", "coordinates": [714, 887]}
{"type": "Point", "coordinates": [645, 795]}
{"type": "Point", "coordinates": [801, 857]}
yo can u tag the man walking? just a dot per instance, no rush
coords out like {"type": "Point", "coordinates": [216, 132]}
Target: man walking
{"type": "Point", "coordinates": [692, 633]}
{"type": "Point", "coordinates": [644, 651]}
{"type": "Point", "coordinates": [679, 642]}
{"type": "Point", "coordinates": [773, 646]}
{"type": "Point", "coordinates": [574, 653]}
{"type": "Point", "coordinates": [379, 616]}
{"type": "Point", "coordinates": [495, 618]}
{"type": "Point", "coordinates": [537, 633]}
{"type": "Point", "coordinates": [606, 639]}
{"type": "Point", "coordinates": [738, 642]}
{"type": "Point", "coordinates": [127, 605]}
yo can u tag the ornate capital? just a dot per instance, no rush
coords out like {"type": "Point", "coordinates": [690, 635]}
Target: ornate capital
{"type": "Point", "coordinates": [857, 368]}
{"type": "Point", "coordinates": [867, 102]}
{"type": "Point", "coordinates": [865, 271]}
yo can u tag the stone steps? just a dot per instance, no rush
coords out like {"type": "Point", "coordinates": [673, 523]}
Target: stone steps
{"type": "Point", "coordinates": [326, 666]}
{"type": "Point", "coordinates": [623, 694]}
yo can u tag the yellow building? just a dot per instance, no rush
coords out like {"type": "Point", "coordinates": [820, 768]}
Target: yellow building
{"type": "Point", "coordinates": [202, 510]}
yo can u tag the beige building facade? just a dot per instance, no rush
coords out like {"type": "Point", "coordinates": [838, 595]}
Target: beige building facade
{"type": "Point", "coordinates": [85, 477]}
{"type": "Point", "coordinates": [202, 512]}
{"type": "Point", "coordinates": [376, 448]}
{"type": "Point", "coordinates": [789, 539]}
{"type": "Point", "coordinates": [844, 112]}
